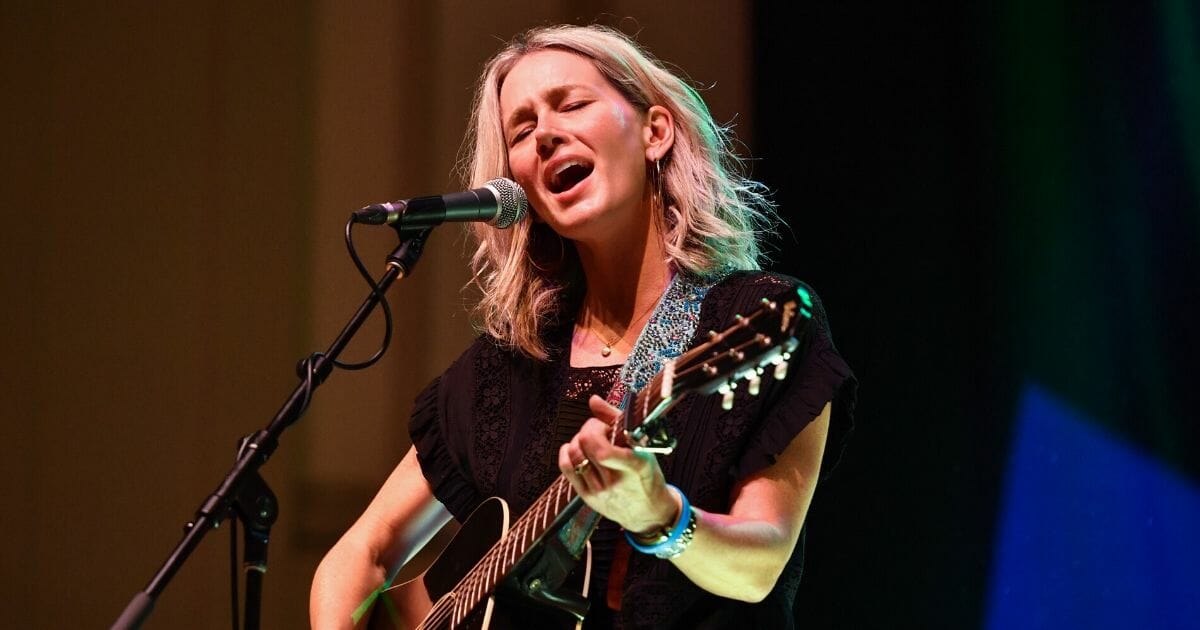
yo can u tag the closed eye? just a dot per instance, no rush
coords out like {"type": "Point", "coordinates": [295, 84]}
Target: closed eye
{"type": "Point", "coordinates": [520, 135]}
{"type": "Point", "coordinates": [568, 107]}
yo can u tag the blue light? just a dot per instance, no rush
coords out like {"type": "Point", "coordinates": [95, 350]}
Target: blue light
{"type": "Point", "coordinates": [1092, 533]}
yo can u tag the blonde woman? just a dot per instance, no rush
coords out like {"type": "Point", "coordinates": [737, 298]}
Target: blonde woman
{"type": "Point", "coordinates": [643, 236]}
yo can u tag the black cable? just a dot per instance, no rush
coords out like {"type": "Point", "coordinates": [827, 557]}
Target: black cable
{"type": "Point", "coordinates": [305, 370]}
{"type": "Point", "coordinates": [307, 367]}
{"type": "Point", "coordinates": [375, 292]}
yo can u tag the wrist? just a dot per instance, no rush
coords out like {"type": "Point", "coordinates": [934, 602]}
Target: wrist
{"type": "Point", "coordinates": [659, 527]}
{"type": "Point", "coordinates": [668, 544]}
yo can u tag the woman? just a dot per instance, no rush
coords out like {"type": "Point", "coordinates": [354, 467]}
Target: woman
{"type": "Point", "coordinates": [643, 236]}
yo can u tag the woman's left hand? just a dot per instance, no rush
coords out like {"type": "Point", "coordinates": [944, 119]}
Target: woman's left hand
{"type": "Point", "coordinates": [625, 486]}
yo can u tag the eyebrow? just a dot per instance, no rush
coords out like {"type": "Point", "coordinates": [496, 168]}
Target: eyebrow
{"type": "Point", "coordinates": [525, 111]}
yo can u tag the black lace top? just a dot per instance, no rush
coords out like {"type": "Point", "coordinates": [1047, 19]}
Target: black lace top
{"type": "Point", "coordinates": [572, 413]}
{"type": "Point", "coordinates": [492, 423]}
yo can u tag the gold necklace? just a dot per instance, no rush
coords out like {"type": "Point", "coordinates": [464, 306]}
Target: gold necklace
{"type": "Point", "coordinates": [608, 345]}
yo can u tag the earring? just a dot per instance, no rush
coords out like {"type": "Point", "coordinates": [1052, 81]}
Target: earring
{"type": "Point", "coordinates": [659, 185]}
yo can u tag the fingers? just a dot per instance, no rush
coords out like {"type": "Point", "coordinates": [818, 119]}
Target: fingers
{"type": "Point", "coordinates": [580, 470]}
{"type": "Point", "coordinates": [602, 410]}
{"type": "Point", "coordinates": [595, 443]}
{"type": "Point", "coordinates": [591, 462]}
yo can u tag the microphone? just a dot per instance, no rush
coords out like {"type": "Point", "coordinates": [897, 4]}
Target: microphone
{"type": "Point", "coordinates": [500, 202]}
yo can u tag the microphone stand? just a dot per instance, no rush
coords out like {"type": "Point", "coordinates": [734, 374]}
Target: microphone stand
{"type": "Point", "coordinates": [256, 508]}
{"type": "Point", "coordinates": [255, 451]}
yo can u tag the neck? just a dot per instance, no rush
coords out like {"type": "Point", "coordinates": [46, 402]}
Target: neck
{"type": "Point", "coordinates": [624, 279]}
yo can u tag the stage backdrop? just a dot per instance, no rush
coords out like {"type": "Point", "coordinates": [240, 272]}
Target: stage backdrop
{"type": "Point", "coordinates": [1001, 204]}
{"type": "Point", "coordinates": [176, 181]}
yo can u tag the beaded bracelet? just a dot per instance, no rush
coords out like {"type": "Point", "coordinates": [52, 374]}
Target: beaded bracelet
{"type": "Point", "coordinates": [672, 543]}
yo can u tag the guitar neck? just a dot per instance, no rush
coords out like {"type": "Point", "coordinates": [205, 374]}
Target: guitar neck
{"type": "Point", "coordinates": [548, 513]}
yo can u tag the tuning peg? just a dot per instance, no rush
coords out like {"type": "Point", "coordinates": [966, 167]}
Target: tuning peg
{"type": "Point", "coordinates": [781, 365]}
{"type": "Point", "coordinates": [726, 392]}
{"type": "Point", "coordinates": [753, 383]}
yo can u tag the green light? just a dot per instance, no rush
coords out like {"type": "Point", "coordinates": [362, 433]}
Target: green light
{"type": "Point", "coordinates": [805, 297]}
{"type": "Point", "coordinates": [365, 606]}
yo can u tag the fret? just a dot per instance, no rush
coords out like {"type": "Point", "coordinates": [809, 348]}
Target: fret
{"type": "Point", "coordinates": [545, 514]}
{"type": "Point", "coordinates": [487, 574]}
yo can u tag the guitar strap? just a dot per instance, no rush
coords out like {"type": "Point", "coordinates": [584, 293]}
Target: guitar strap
{"type": "Point", "coordinates": [666, 336]}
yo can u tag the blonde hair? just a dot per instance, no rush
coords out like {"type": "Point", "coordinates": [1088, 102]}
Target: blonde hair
{"type": "Point", "coordinates": [712, 214]}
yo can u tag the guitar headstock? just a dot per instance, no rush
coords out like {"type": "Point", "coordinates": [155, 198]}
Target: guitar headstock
{"type": "Point", "coordinates": [756, 345]}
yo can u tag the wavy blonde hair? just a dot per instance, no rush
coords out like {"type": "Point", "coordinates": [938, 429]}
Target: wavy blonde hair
{"type": "Point", "coordinates": [711, 213]}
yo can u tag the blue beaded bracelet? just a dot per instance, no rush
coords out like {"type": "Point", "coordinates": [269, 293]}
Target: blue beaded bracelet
{"type": "Point", "coordinates": [678, 539]}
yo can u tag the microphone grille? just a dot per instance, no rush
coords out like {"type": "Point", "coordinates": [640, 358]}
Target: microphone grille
{"type": "Point", "coordinates": [512, 200]}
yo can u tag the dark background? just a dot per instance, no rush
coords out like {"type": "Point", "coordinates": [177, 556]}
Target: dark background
{"type": "Point", "coordinates": [876, 131]}
{"type": "Point", "coordinates": [956, 178]}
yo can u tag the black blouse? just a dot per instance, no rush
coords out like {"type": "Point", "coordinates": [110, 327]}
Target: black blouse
{"type": "Point", "coordinates": [492, 423]}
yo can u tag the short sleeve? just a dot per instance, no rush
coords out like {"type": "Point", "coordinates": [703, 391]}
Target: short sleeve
{"type": "Point", "coordinates": [441, 468]}
{"type": "Point", "coordinates": [819, 376]}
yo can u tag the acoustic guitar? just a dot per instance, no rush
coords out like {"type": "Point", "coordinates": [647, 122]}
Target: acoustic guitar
{"type": "Point", "coordinates": [493, 568]}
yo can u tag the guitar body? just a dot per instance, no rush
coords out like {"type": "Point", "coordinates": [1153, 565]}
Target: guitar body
{"type": "Point", "coordinates": [426, 601]}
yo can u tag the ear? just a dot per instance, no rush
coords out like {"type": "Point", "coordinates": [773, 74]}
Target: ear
{"type": "Point", "coordinates": [659, 133]}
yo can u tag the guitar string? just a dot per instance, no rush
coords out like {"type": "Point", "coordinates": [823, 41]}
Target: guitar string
{"type": "Point", "coordinates": [557, 492]}
{"type": "Point", "coordinates": [469, 585]}
{"type": "Point", "coordinates": [470, 582]}
{"type": "Point", "coordinates": [737, 348]}
{"type": "Point", "coordinates": [497, 556]}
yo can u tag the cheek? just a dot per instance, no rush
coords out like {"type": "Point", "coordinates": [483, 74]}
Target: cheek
{"type": "Point", "coordinates": [522, 167]}
{"type": "Point", "coordinates": [625, 131]}
{"type": "Point", "coordinates": [619, 116]}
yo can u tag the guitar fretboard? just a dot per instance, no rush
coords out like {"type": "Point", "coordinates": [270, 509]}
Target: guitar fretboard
{"type": "Point", "coordinates": [481, 580]}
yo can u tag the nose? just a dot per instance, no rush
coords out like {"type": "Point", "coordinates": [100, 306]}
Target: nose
{"type": "Point", "coordinates": [548, 139]}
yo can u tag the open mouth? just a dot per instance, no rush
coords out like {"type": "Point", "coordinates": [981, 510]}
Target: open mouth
{"type": "Point", "coordinates": [568, 174]}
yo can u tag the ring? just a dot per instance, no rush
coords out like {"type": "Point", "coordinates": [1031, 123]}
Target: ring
{"type": "Point", "coordinates": [582, 466]}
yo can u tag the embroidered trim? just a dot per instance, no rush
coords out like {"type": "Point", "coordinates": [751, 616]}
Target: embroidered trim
{"type": "Point", "coordinates": [666, 335]}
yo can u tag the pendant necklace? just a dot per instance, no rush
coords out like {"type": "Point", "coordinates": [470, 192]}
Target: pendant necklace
{"type": "Point", "coordinates": [608, 345]}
